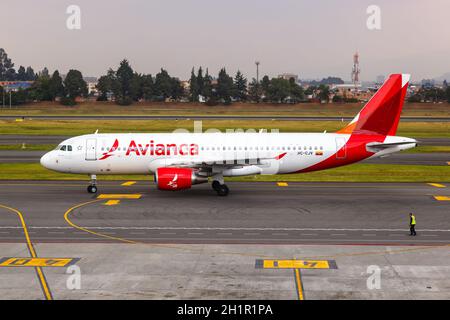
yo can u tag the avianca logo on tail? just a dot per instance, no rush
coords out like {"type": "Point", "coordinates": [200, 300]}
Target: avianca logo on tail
{"type": "Point", "coordinates": [154, 149]}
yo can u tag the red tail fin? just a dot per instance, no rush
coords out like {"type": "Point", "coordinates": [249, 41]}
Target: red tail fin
{"type": "Point", "coordinates": [382, 113]}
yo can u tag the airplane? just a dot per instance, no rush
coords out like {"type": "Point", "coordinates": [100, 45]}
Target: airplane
{"type": "Point", "coordinates": [180, 160]}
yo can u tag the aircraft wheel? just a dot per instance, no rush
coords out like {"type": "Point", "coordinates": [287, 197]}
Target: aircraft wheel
{"type": "Point", "coordinates": [92, 189]}
{"type": "Point", "coordinates": [216, 185]}
{"type": "Point", "coordinates": [223, 190]}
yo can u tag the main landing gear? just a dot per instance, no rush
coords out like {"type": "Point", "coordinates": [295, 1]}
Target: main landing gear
{"type": "Point", "coordinates": [92, 188]}
{"type": "Point", "coordinates": [221, 189]}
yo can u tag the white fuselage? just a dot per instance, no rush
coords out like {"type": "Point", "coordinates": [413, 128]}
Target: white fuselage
{"type": "Point", "coordinates": [244, 153]}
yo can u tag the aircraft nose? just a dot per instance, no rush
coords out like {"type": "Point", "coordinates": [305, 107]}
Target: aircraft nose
{"type": "Point", "coordinates": [45, 160]}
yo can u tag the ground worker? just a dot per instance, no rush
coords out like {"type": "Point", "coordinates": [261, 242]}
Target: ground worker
{"type": "Point", "coordinates": [412, 224]}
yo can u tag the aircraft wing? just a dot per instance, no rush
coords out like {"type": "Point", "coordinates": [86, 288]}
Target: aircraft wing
{"type": "Point", "coordinates": [206, 163]}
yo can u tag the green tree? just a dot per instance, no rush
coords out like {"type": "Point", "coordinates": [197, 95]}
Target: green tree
{"type": "Point", "coordinates": [30, 74]}
{"type": "Point", "coordinates": [279, 90]}
{"type": "Point", "coordinates": [41, 89]}
{"type": "Point", "coordinates": [74, 86]}
{"type": "Point", "coordinates": [44, 72]}
{"type": "Point", "coordinates": [163, 85]}
{"type": "Point", "coordinates": [147, 87]}
{"type": "Point", "coordinates": [105, 85]}
{"type": "Point", "coordinates": [240, 87]}
{"type": "Point", "coordinates": [21, 74]}
{"type": "Point", "coordinates": [200, 81]}
{"type": "Point", "coordinates": [122, 89]}
{"type": "Point", "coordinates": [136, 92]}
{"type": "Point", "coordinates": [296, 92]}
{"type": "Point", "coordinates": [224, 86]}
{"type": "Point", "coordinates": [177, 90]}
{"type": "Point", "coordinates": [193, 87]}
{"type": "Point", "coordinates": [56, 85]}
{"type": "Point", "coordinates": [254, 89]}
{"type": "Point", "coordinates": [7, 72]}
{"type": "Point", "coordinates": [324, 94]}
{"type": "Point", "coordinates": [207, 86]}
{"type": "Point", "coordinates": [265, 84]}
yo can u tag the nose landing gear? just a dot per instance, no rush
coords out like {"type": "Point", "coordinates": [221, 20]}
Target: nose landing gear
{"type": "Point", "coordinates": [92, 188]}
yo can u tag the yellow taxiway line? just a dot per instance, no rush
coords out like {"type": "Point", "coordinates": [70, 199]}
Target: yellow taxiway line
{"type": "Point", "coordinates": [437, 185]}
{"type": "Point", "coordinates": [299, 284]}
{"type": "Point", "coordinates": [282, 184]}
{"type": "Point", "coordinates": [112, 202]}
{"type": "Point", "coordinates": [128, 183]}
{"type": "Point", "coordinates": [66, 217]}
{"type": "Point", "coordinates": [442, 198]}
{"type": "Point", "coordinates": [119, 196]}
{"type": "Point", "coordinates": [40, 273]}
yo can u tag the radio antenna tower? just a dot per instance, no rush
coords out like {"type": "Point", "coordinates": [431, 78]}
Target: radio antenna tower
{"type": "Point", "coordinates": [356, 70]}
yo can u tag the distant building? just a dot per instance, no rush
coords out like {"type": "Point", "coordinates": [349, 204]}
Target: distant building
{"type": "Point", "coordinates": [92, 88]}
{"type": "Point", "coordinates": [380, 79]}
{"type": "Point", "coordinates": [185, 84]}
{"type": "Point", "coordinates": [288, 76]}
{"type": "Point", "coordinates": [349, 91]}
{"type": "Point", "coordinates": [428, 83]}
{"type": "Point", "coordinates": [15, 85]}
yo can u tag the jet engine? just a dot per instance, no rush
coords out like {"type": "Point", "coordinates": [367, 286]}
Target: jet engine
{"type": "Point", "coordinates": [177, 178]}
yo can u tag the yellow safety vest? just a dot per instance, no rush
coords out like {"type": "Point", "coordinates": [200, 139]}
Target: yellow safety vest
{"type": "Point", "coordinates": [413, 220]}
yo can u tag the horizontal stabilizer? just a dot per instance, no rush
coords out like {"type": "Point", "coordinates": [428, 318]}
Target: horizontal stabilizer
{"type": "Point", "coordinates": [382, 146]}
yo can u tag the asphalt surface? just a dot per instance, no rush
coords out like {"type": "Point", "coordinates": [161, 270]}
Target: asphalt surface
{"type": "Point", "coordinates": [13, 156]}
{"type": "Point", "coordinates": [253, 213]}
{"type": "Point", "coordinates": [212, 117]}
{"type": "Point", "coordinates": [433, 159]}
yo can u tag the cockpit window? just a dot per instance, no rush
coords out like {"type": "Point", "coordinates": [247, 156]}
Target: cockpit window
{"type": "Point", "coordinates": [63, 148]}
{"type": "Point", "coordinates": [69, 148]}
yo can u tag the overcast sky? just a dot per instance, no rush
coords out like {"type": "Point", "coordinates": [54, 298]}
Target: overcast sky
{"type": "Point", "coordinates": [313, 39]}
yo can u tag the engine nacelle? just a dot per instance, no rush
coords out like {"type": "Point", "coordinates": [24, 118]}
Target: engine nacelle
{"type": "Point", "coordinates": [177, 178]}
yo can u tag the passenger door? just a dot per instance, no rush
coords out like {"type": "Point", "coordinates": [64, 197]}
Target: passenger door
{"type": "Point", "coordinates": [91, 149]}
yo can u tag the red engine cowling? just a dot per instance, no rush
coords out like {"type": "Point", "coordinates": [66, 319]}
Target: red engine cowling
{"type": "Point", "coordinates": [177, 178]}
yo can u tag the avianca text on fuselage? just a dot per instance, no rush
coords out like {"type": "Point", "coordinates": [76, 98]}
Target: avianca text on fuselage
{"type": "Point", "coordinates": [156, 149]}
